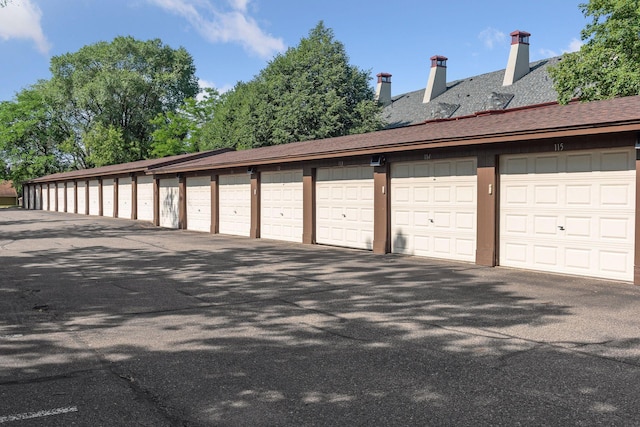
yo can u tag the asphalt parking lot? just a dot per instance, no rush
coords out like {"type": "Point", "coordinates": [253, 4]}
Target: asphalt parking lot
{"type": "Point", "coordinates": [115, 322]}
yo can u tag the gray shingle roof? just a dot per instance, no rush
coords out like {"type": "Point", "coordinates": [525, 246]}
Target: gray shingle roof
{"type": "Point", "coordinates": [474, 94]}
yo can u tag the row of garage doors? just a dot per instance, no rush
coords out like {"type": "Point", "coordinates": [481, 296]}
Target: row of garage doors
{"type": "Point", "coordinates": [568, 212]}
{"type": "Point", "coordinates": [54, 198]}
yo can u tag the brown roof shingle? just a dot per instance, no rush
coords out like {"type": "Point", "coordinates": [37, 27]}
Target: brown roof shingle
{"type": "Point", "coordinates": [506, 125]}
{"type": "Point", "coordinates": [7, 190]}
{"type": "Point", "coordinates": [131, 167]}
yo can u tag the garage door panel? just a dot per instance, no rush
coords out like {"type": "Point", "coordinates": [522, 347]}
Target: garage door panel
{"type": "Point", "coordinates": [615, 262]}
{"type": "Point", "coordinates": [465, 194]}
{"type": "Point", "coordinates": [566, 220]}
{"type": "Point", "coordinates": [617, 161]}
{"type": "Point", "coordinates": [124, 197]}
{"type": "Point", "coordinates": [82, 201]}
{"type": "Point", "coordinates": [579, 194]}
{"type": "Point", "coordinates": [71, 199]}
{"type": "Point", "coordinates": [579, 163]}
{"type": "Point", "coordinates": [235, 204]}
{"type": "Point", "coordinates": [576, 227]}
{"type": "Point", "coordinates": [433, 208]}
{"type": "Point", "coordinates": [344, 206]}
{"type": "Point", "coordinates": [61, 194]}
{"type": "Point", "coordinates": [281, 205]}
{"type": "Point", "coordinates": [579, 259]}
{"type": "Point", "coordinates": [546, 194]}
{"type": "Point", "coordinates": [545, 225]}
{"type": "Point", "coordinates": [52, 198]}
{"type": "Point", "coordinates": [107, 197]}
{"type": "Point", "coordinates": [199, 203]}
{"type": "Point", "coordinates": [169, 202]}
{"type": "Point", "coordinates": [615, 229]}
{"type": "Point", "coordinates": [94, 201]}
{"type": "Point", "coordinates": [466, 247]}
{"type": "Point", "coordinates": [144, 192]}
{"type": "Point", "coordinates": [465, 221]}
{"type": "Point", "coordinates": [615, 195]}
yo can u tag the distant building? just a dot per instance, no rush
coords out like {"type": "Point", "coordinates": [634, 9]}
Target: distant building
{"type": "Point", "coordinates": [8, 194]}
{"type": "Point", "coordinates": [520, 84]}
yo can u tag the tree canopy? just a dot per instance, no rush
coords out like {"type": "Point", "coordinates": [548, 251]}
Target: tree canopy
{"type": "Point", "coordinates": [127, 100]}
{"type": "Point", "coordinates": [608, 64]}
{"type": "Point", "coordinates": [309, 92]}
{"type": "Point", "coordinates": [180, 131]}
{"type": "Point", "coordinates": [96, 109]}
{"type": "Point", "coordinates": [30, 135]}
{"type": "Point", "coordinates": [113, 90]}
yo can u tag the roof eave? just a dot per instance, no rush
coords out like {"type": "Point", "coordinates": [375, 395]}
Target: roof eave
{"type": "Point", "coordinates": [420, 144]}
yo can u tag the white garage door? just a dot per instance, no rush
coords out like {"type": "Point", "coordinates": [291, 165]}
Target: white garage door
{"type": "Point", "coordinates": [94, 200]}
{"type": "Point", "coordinates": [39, 197]}
{"type": "Point", "coordinates": [571, 212]}
{"type": "Point", "coordinates": [82, 198]}
{"type": "Point", "coordinates": [235, 204]}
{"type": "Point", "coordinates": [433, 208]}
{"type": "Point", "coordinates": [60, 193]}
{"type": "Point", "coordinates": [344, 206]}
{"type": "Point", "coordinates": [32, 197]}
{"type": "Point", "coordinates": [107, 197]}
{"type": "Point", "coordinates": [71, 197]}
{"type": "Point", "coordinates": [169, 202]}
{"type": "Point", "coordinates": [281, 205]}
{"type": "Point", "coordinates": [52, 197]}
{"type": "Point", "coordinates": [124, 198]}
{"type": "Point", "coordinates": [199, 203]}
{"type": "Point", "coordinates": [45, 198]}
{"type": "Point", "coordinates": [145, 198]}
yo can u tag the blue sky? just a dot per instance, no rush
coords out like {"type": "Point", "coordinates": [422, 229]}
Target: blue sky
{"type": "Point", "coordinates": [232, 40]}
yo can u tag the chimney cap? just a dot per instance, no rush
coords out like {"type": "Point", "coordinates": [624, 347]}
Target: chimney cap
{"type": "Point", "coordinates": [384, 77]}
{"type": "Point", "coordinates": [520, 37]}
{"type": "Point", "coordinates": [439, 61]}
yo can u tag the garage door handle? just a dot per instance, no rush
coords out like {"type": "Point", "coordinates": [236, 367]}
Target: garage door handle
{"type": "Point", "coordinates": [561, 227]}
{"type": "Point", "coordinates": [344, 215]}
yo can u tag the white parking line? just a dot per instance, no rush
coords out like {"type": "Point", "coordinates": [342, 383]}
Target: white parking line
{"type": "Point", "coordinates": [39, 414]}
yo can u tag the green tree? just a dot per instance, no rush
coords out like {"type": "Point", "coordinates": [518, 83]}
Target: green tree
{"type": "Point", "coordinates": [30, 136]}
{"type": "Point", "coordinates": [179, 132]}
{"type": "Point", "coordinates": [608, 64]}
{"type": "Point", "coordinates": [309, 92]}
{"type": "Point", "coordinates": [235, 122]}
{"type": "Point", "coordinates": [114, 90]}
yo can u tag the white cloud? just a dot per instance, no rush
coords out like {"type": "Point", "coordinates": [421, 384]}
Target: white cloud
{"type": "Point", "coordinates": [21, 20]}
{"type": "Point", "coordinates": [225, 26]}
{"type": "Point", "coordinates": [547, 53]}
{"type": "Point", "coordinates": [574, 46]}
{"type": "Point", "coordinates": [240, 5]}
{"type": "Point", "coordinates": [209, 84]}
{"type": "Point", "coordinates": [490, 37]}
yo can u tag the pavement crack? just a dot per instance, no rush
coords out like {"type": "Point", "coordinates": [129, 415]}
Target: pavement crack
{"type": "Point", "coordinates": [142, 394]}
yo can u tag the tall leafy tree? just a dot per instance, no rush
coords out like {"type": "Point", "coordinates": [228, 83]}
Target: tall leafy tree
{"type": "Point", "coordinates": [113, 91]}
{"type": "Point", "coordinates": [309, 92]}
{"type": "Point", "coordinates": [608, 64]}
{"type": "Point", "coordinates": [30, 136]}
{"type": "Point", "coordinates": [180, 131]}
